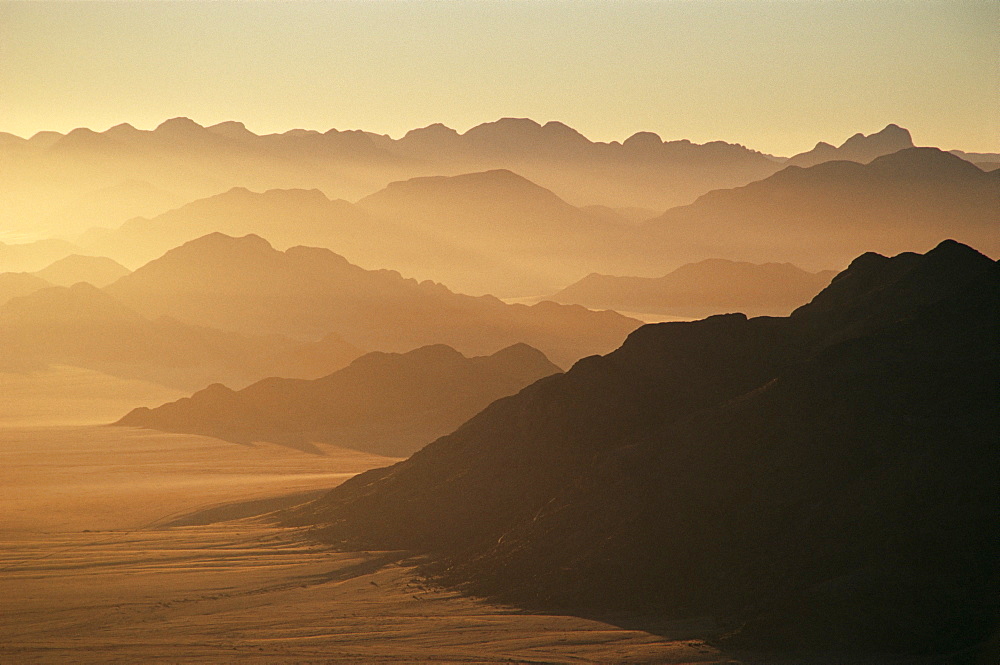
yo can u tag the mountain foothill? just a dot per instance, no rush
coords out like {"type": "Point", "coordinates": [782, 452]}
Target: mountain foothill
{"type": "Point", "coordinates": [390, 404]}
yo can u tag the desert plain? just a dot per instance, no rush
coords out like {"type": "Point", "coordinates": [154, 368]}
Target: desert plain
{"type": "Point", "coordinates": [122, 545]}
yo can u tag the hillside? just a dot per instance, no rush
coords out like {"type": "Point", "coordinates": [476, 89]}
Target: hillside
{"type": "Point", "coordinates": [125, 172]}
{"type": "Point", "coordinates": [245, 285]}
{"type": "Point", "coordinates": [15, 284]}
{"type": "Point", "coordinates": [82, 326]}
{"type": "Point", "coordinates": [285, 217]}
{"type": "Point", "coordinates": [97, 270]}
{"type": "Point", "coordinates": [712, 286]}
{"type": "Point", "coordinates": [384, 403]}
{"type": "Point", "coordinates": [32, 256]}
{"type": "Point", "coordinates": [859, 148]}
{"type": "Point", "coordinates": [822, 216]}
{"type": "Point", "coordinates": [821, 483]}
{"type": "Point", "coordinates": [500, 233]}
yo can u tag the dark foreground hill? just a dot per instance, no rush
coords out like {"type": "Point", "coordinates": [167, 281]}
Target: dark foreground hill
{"type": "Point", "coordinates": [385, 403]}
{"type": "Point", "coordinates": [701, 289]}
{"type": "Point", "coordinates": [826, 481]}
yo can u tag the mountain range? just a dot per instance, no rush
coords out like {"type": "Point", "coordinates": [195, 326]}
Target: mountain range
{"type": "Point", "coordinates": [83, 326]}
{"type": "Point", "coordinates": [97, 270]}
{"type": "Point", "coordinates": [859, 148]}
{"type": "Point", "coordinates": [385, 403]}
{"type": "Point", "coordinates": [32, 256]}
{"type": "Point", "coordinates": [247, 286]}
{"type": "Point", "coordinates": [823, 215]}
{"type": "Point", "coordinates": [701, 289]}
{"type": "Point", "coordinates": [497, 232]}
{"type": "Point", "coordinates": [65, 182]}
{"type": "Point", "coordinates": [820, 483]}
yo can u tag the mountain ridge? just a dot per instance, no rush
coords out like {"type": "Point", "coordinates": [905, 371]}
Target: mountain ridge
{"type": "Point", "coordinates": [797, 478]}
{"type": "Point", "coordinates": [244, 285]}
{"type": "Point", "coordinates": [431, 391]}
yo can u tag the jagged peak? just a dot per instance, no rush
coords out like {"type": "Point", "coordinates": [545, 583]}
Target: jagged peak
{"type": "Point", "coordinates": [896, 286]}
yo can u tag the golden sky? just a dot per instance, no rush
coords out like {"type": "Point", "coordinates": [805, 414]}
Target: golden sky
{"type": "Point", "coordinates": [774, 75]}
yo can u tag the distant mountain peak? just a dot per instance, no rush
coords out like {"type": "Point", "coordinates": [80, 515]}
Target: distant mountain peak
{"type": "Point", "coordinates": [510, 123]}
{"type": "Point", "coordinates": [178, 125]}
{"type": "Point", "coordinates": [922, 163]}
{"type": "Point", "coordinates": [890, 139]}
{"type": "Point", "coordinates": [643, 141]}
{"type": "Point", "coordinates": [250, 243]}
{"type": "Point", "coordinates": [232, 129]}
{"type": "Point", "coordinates": [859, 148]}
{"type": "Point", "coordinates": [434, 130]}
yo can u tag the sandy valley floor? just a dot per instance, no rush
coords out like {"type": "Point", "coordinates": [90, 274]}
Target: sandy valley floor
{"type": "Point", "coordinates": [93, 568]}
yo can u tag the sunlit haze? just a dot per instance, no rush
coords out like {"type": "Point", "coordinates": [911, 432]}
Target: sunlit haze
{"type": "Point", "coordinates": [460, 331]}
{"type": "Point", "coordinates": [775, 76]}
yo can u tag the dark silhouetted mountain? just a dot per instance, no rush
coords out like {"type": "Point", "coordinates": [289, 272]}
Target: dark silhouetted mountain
{"type": "Point", "coordinates": [97, 270]}
{"type": "Point", "coordinates": [385, 403]}
{"type": "Point", "coordinates": [32, 256]}
{"type": "Point", "coordinates": [83, 326]}
{"type": "Point", "coordinates": [822, 482]}
{"type": "Point", "coordinates": [15, 284]}
{"type": "Point", "coordinates": [858, 148]}
{"type": "Point", "coordinates": [712, 286]}
{"type": "Point", "coordinates": [245, 285]}
{"type": "Point", "coordinates": [823, 215]}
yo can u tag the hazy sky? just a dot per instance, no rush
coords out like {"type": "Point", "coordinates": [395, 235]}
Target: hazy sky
{"type": "Point", "coordinates": [776, 76]}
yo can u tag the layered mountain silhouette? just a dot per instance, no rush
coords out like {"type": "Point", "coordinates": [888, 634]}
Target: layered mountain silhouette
{"type": "Point", "coordinates": [32, 256]}
{"type": "Point", "coordinates": [700, 289]}
{"type": "Point", "coordinates": [110, 207]}
{"type": "Point", "coordinates": [83, 326]}
{"type": "Point", "coordinates": [137, 170]}
{"type": "Point", "coordinates": [245, 285]}
{"type": "Point", "coordinates": [97, 270]}
{"type": "Point", "coordinates": [823, 215]}
{"type": "Point", "coordinates": [125, 172]}
{"type": "Point", "coordinates": [497, 232]}
{"type": "Point", "coordinates": [491, 232]}
{"type": "Point", "coordinates": [385, 403]}
{"type": "Point", "coordinates": [15, 284]}
{"type": "Point", "coordinates": [824, 482]}
{"type": "Point", "coordinates": [987, 161]}
{"type": "Point", "coordinates": [285, 217]}
{"type": "Point", "coordinates": [858, 148]}
{"type": "Point", "coordinates": [500, 233]}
